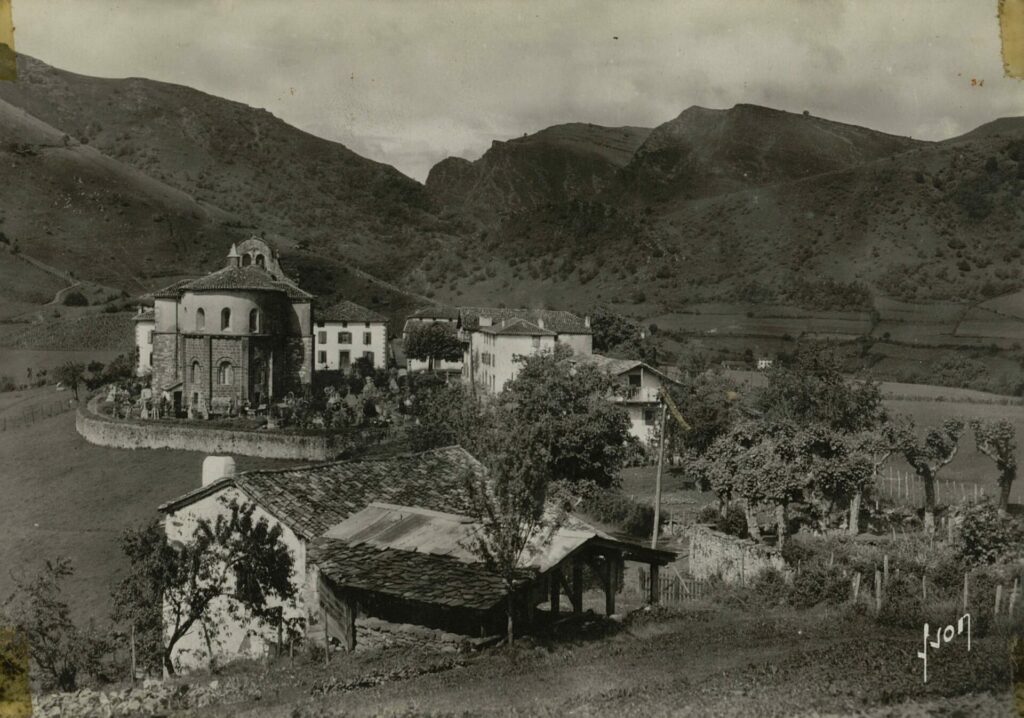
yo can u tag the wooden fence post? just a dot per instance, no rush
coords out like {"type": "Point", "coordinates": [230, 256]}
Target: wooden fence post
{"type": "Point", "coordinates": [885, 570]}
{"type": "Point", "coordinates": [856, 586]}
{"type": "Point", "coordinates": [924, 588]}
{"type": "Point", "coordinates": [327, 637]}
{"type": "Point", "coordinates": [999, 597]}
{"type": "Point", "coordinates": [878, 592]}
{"type": "Point", "coordinates": [133, 653]}
{"type": "Point", "coordinates": [1013, 596]}
{"type": "Point", "coordinates": [965, 593]}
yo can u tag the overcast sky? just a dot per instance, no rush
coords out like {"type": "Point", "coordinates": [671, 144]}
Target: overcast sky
{"type": "Point", "coordinates": [411, 82]}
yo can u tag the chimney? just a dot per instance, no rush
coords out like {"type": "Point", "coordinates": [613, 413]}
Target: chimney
{"type": "Point", "coordinates": [586, 321]}
{"type": "Point", "coordinates": [486, 321]}
{"type": "Point", "coordinates": [217, 467]}
{"type": "Point", "coordinates": [540, 322]}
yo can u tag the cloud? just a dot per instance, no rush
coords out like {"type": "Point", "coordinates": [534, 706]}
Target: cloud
{"type": "Point", "coordinates": [408, 83]}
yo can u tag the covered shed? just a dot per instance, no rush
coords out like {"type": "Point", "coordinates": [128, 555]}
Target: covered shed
{"type": "Point", "coordinates": [414, 565]}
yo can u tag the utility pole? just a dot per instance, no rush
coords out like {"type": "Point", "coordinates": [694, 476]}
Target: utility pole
{"type": "Point", "coordinates": [657, 480]}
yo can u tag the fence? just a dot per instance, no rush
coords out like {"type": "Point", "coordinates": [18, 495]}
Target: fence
{"type": "Point", "coordinates": [36, 413]}
{"type": "Point", "coordinates": [906, 488]}
{"type": "Point", "coordinates": [674, 589]}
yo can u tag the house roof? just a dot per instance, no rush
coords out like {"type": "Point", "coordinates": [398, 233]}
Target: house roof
{"type": "Point", "coordinates": [437, 311]}
{"type": "Point", "coordinates": [557, 321]}
{"type": "Point", "coordinates": [172, 291]}
{"type": "Point", "coordinates": [346, 311]}
{"type": "Point", "coordinates": [423, 555]}
{"type": "Point", "coordinates": [516, 326]}
{"type": "Point", "coordinates": [147, 315]}
{"type": "Point", "coordinates": [618, 366]}
{"type": "Point", "coordinates": [311, 499]}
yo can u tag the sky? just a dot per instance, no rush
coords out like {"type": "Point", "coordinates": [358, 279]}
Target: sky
{"type": "Point", "coordinates": [410, 82]}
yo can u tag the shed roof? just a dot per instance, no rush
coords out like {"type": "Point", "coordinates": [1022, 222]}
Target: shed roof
{"type": "Point", "coordinates": [311, 499]}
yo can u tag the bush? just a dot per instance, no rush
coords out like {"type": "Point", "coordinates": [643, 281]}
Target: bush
{"type": "Point", "coordinates": [7, 383]}
{"type": "Point", "coordinates": [770, 587]}
{"type": "Point", "coordinates": [901, 602]}
{"type": "Point", "coordinates": [987, 538]}
{"type": "Point", "coordinates": [614, 507]}
{"type": "Point", "coordinates": [817, 583]}
{"type": "Point", "coordinates": [75, 299]}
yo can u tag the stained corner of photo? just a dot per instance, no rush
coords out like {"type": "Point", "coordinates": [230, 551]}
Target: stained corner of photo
{"type": "Point", "coordinates": [1011, 32]}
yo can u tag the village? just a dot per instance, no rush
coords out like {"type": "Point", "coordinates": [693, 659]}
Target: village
{"type": "Point", "coordinates": [457, 486]}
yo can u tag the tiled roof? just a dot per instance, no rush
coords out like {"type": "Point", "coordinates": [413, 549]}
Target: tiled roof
{"type": "Point", "coordinates": [437, 311]}
{"type": "Point", "coordinates": [346, 311]}
{"type": "Point", "coordinates": [172, 291]}
{"type": "Point", "coordinates": [147, 315]}
{"type": "Point", "coordinates": [235, 278]}
{"type": "Point", "coordinates": [618, 366]}
{"type": "Point", "coordinates": [516, 326]}
{"type": "Point", "coordinates": [409, 575]}
{"type": "Point", "coordinates": [556, 320]}
{"type": "Point", "coordinates": [311, 499]}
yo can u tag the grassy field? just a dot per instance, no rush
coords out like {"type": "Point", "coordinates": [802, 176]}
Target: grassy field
{"type": "Point", "coordinates": [15, 362]}
{"type": "Point", "coordinates": [65, 497]}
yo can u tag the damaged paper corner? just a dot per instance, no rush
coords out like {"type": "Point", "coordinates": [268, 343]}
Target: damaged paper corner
{"type": "Point", "coordinates": [1011, 32]}
{"type": "Point", "coordinates": [8, 60]}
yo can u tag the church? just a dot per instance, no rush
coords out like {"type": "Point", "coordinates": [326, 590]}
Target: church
{"type": "Point", "coordinates": [232, 339]}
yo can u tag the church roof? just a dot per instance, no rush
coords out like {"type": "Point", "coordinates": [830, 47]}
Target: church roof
{"type": "Point", "coordinates": [251, 278]}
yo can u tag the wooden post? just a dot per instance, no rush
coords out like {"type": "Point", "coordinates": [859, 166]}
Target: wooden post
{"type": "Point", "coordinates": [657, 480]}
{"type": "Point", "coordinates": [610, 584]}
{"type": "Point", "coordinates": [577, 586]}
{"type": "Point", "coordinates": [327, 636]}
{"type": "Point", "coordinates": [556, 592]}
{"type": "Point", "coordinates": [965, 593]}
{"type": "Point", "coordinates": [999, 598]}
{"type": "Point", "coordinates": [885, 570]}
{"type": "Point", "coordinates": [949, 529]}
{"type": "Point", "coordinates": [975, 493]}
{"type": "Point", "coordinates": [1013, 596]}
{"type": "Point", "coordinates": [654, 587]}
{"type": "Point", "coordinates": [924, 588]}
{"type": "Point", "coordinates": [133, 653]}
{"type": "Point", "coordinates": [856, 586]}
{"type": "Point", "coordinates": [878, 592]}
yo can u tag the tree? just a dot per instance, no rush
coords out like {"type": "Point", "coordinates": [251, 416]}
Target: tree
{"type": "Point", "coordinates": [615, 334]}
{"type": "Point", "coordinates": [432, 342]}
{"type": "Point", "coordinates": [710, 403]}
{"type": "Point", "coordinates": [71, 374]}
{"type": "Point", "coordinates": [236, 556]}
{"type": "Point", "coordinates": [998, 441]}
{"type": "Point", "coordinates": [839, 470]}
{"type": "Point", "coordinates": [37, 612]}
{"type": "Point", "coordinates": [445, 414]}
{"type": "Point", "coordinates": [561, 417]}
{"type": "Point", "coordinates": [514, 519]}
{"type": "Point", "coordinates": [927, 458]}
{"type": "Point", "coordinates": [877, 446]}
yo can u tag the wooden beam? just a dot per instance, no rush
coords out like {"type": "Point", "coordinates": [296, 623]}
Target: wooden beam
{"type": "Point", "coordinates": [610, 584]}
{"type": "Point", "coordinates": [577, 586]}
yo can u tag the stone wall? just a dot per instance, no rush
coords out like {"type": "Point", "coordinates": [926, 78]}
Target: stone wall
{"type": "Point", "coordinates": [735, 560]}
{"type": "Point", "coordinates": [132, 434]}
{"type": "Point", "coordinates": [151, 697]}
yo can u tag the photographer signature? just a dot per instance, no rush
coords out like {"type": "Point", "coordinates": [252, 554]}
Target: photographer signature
{"type": "Point", "coordinates": [944, 635]}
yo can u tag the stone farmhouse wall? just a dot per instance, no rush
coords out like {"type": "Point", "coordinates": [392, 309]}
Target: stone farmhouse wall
{"type": "Point", "coordinates": [733, 559]}
{"type": "Point", "coordinates": [132, 434]}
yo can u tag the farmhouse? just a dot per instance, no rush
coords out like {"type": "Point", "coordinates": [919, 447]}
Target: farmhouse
{"type": "Point", "coordinates": [347, 332]}
{"type": "Point", "coordinates": [384, 538]}
{"type": "Point", "coordinates": [640, 390]}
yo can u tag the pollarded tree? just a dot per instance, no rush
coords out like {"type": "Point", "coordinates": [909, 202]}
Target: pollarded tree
{"type": "Point", "coordinates": [433, 342]}
{"type": "Point", "coordinates": [998, 441]}
{"type": "Point", "coordinates": [838, 472]}
{"type": "Point", "coordinates": [71, 374]}
{"type": "Point", "coordinates": [876, 446]}
{"type": "Point", "coordinates": [928, 457]}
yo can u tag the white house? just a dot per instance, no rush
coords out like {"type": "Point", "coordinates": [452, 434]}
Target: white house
{"type": "Point", "coordinates": [346, 332]}
{"type": "Point", "coordinates": [431, 315]}
{"type": "Point", "coordinates": [145, 325]}
{"type": "Point", "coordinates": [306, 502]}
{"type": "Point", "coordinates": [641, 386]}
{"type": "Point", "coordinates": [496, 337]}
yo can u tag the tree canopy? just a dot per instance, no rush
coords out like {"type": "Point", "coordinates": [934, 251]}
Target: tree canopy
{"type": "Point", "coordinates": [998, 441]}
{"type": "Point", "coordinates": [433, 342]}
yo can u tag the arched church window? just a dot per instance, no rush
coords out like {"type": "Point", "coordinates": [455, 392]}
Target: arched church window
{"type": "Point", "coordinates": [225, 319]}
{"type": "Point", "coordinates": [194, 376]}
{"type": "Point", "coordinates": [246, 260]}
{"type": "Point", "coordinates": [225, 373]}
{"type": "Point", "coordinates": [200, 319]}
{"type": "Point", "coordinates": [254, 321]}
{"type": "Point", "coordinates": [260, 261]}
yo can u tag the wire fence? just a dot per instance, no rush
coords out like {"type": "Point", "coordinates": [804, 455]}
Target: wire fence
{"type": "Point", "coordinates": [35, 413]}
{"type": "Point", "coordinates": [905, 488]}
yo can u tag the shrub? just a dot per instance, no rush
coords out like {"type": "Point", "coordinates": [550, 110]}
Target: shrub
{"type": "Point", "coordinates": [817, 583]}
{"type": "Point", "coordinates": [614, 507]}
{"type": "Point", "coordinates": [75, 299]}
{"type": "Point", "coordinates": [7, 383]}
{"type": "Point", "coordinates": [901, 603]}
{"type": "Point", "coordinates": [986, 537]}
{"type": "Point", "coordinates": [770, 587]}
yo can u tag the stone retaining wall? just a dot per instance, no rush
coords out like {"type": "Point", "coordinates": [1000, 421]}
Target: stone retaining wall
{"type": "Point", "coordinates": [153, 697]}
{"type": "Point", "coordinates": [733, 559]}
{"type": "Point", "coordinates": [139, 434]}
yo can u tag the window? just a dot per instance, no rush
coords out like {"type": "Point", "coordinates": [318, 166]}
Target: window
{"type": "Point", "coordinates": [194, 376]}
{"type": "Point", "coordinates": [344, 325]}
{"type": "Point", "coordinates": [536, 342]}
{"type": "Point", "coordinates": [634, 380]}
{"type": "Point", "coordinates": [368, 356]}
{"type": "Point", "coordinates": [149, 337]}
{"type": "Point", "coordinates": [321, 357]}
{"type": "Point", "coordinates": [225, 373]}
{"type": "Point", "coordinates": [344, 337]}
{"type": "Point", "coordinates": [344, 360]}
{"type": "Point", "coordinates": [246, 260]}
{"type": "Point", "coordinates": [650, 417]}
{"type": "Point", "coordinates": [367, 338]}
{"type": "Point", "coordinates": [260, 261]}
{"type": "Point", "coordinates": [225, 319]}
{"type": "Point", "coordinates": [254, 321]}
{"type": "Point", "coordinates": [321, 337]}
{"type": "Point", "coordinates": [367, 325]}
{"type": "Point", "coordinates": [200, 319]}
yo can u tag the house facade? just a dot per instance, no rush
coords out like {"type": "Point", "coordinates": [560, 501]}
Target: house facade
{"type": "Point", "coordinates": [239, 336]}
{"type": "Point", "coordinates": [347, 332]}
{"type": "Point", "coordinates": [448, 316]}
{"type": "Point", "coordinates": [639, 389]}
{"type": "Point", "coordinates": [144, 330]}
